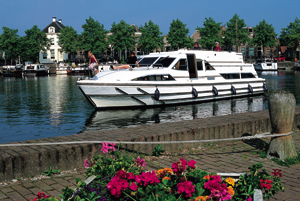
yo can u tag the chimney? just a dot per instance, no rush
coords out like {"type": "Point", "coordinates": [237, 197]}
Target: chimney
{"type": "Point", "coordinates": [53, 19]}
{"type": "Point", "coordinates": [59, 20]}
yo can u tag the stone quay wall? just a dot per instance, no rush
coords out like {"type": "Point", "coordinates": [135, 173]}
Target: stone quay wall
{"type": "Point", "coordinates": [29, 161]}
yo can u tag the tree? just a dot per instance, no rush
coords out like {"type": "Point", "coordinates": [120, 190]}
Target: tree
{"type": "Point", "coordinates": [264, 35]}
{"type": "Point", "coordinates": [178, 35]}
{"type": "Point", "coordinates": [33, 42]}
{"type": "Point", "coordinates": [209, 33]}
{"type": "Point", "coordinates": [68, 39]}
{"type": "Point", "coordinates": [122, 36]}
{"type": "Point", "coordinates": [93, 37]}
{"type": "Point", "coordinates": [9, 43]}
{"type": "Point", "coordinates": [290, 36]}
{"type": "Point", "coordinates": [235, 34]}
{"type": "Point", "coordinates": [151, 36]}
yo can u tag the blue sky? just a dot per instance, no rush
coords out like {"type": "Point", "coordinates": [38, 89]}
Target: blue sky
{"type": "Point", "coordinates": [23, 14]}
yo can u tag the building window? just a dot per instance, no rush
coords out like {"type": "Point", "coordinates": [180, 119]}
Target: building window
{"type": "Point", "coordinates": [52, 54]}
{"type": "Point", "coordinates": [44, 55]}
{"type": "Point", "coordinates": [52, 41]}
{"type": "Point", "coordinates": [51, 30]}
{"type": "Point", "coordinates": [243, 50]}
{"type": "Point", "coordinates": [250, 30]}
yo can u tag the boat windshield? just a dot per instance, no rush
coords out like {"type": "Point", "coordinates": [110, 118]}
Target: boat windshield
{"type": "Point", "coordinates": [147, 61]}
{"type": "Point", "coordinates": [164, 62]}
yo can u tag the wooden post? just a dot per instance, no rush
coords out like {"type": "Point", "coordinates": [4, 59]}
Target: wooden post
{"type": "Point", "coordinates": [282, 114]}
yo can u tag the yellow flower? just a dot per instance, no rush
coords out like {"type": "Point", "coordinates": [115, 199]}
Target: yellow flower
{"type": "Point", "coordinates": [168, 170]}
{"type": "Point", "coordinates": [167, 178]}
{"type": "Point", "coordinates": [230, 181]}
{"type": "Point", "coordinates": [201, 198]}
{"type": "Point", "coordinates": [230, 190]}
{"type": "Point", "coordinates": [206, 177]}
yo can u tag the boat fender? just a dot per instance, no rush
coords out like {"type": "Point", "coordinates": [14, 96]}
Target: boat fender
{"type": "Point", "coordinates": [215, 91]}
{"type": "Point", "coordinates": [233, 90]}
{"type": "Point", "coordinates": [250, 89]}
{"type": "Point", "coordinates": [156, 94]}
{"type": "Point", "coordinates": [194, 93]}
{"type": "Point", "coordinates": [265, 87]}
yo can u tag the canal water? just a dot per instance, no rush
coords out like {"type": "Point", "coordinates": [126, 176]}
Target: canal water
{"type": "Point", "coordinates": [50, 106]}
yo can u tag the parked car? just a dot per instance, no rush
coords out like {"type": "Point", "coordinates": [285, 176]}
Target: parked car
{"type": "Point", "coordinates": [279, 58]}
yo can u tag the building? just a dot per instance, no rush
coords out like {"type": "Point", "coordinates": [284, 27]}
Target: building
{"type": "Point", "coordinates": [54, 54]}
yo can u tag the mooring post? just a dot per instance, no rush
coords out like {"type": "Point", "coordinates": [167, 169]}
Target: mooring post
{"type": "Point", "coordinates": [282, 112]}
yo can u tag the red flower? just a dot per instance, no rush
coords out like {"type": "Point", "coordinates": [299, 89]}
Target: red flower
{"type": "Point", "coordinates": [265, 184]}
{"type": "Point", "coordinates": [40, 196]}
{"type": "Point", "coordinates": [276, 173]}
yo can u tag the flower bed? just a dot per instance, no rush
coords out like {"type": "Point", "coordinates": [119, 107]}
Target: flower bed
{"type": "Point", "coordinates": [118, 176]}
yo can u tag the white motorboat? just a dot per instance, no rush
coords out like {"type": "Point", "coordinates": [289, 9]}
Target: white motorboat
{"type": "Point", "coordinates": [170, 78]}
{"type": "Point", "coordinates": [13, 71]}
{"type": "Point", "coordinates": [63, 69]}
{"type": "Point", "coordinates": [80, 70]}
{"type": "Point", "coordinates": [265, 65]}
{"type": "Point", "coordinates": [35, 70]}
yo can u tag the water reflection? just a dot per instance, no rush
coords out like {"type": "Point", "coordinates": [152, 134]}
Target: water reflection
{"type": "Point", "coordinates": [40, 107]}
{"type": "Point", "coordinates": [112, 119]}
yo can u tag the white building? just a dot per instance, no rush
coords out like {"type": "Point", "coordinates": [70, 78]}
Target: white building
{"type": "Point", "coordinates": [55, 53]}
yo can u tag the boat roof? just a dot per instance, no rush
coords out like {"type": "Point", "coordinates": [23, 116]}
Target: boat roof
{"type": "Point", "coordinates": [203, 54]}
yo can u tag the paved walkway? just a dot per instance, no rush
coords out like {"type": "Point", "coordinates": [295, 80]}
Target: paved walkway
{"type": "Point", "coordinates": [233, 156]}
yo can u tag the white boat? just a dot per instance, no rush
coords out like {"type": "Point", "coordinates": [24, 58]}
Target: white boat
{"type": "Point", "coordinates": [80, 70]}
{"type": "Point", "coordinates": [170, 78]}
{"type": "Point", "coordinates": [63, 69]}
{"type": "Point", "coordinates": [265, 65]}
{"type": "Point", "coordinates": [35, 70]}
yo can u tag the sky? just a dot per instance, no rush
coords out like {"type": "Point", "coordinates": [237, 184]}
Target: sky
{"type": "Point", "coordinates": [24, 14]}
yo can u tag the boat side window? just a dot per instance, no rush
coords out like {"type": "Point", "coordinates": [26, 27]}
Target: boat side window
{"type": "Point", "coordinates": [165, 77]}
{"type": "Point", "coordinates": [230, 75]}
{"type": "Point", "coordinates": [247, 75]}
{"type": "Point", "coordinates": [181, 65]}
{"type": "Point", "coordinates": [147, 61]}
{"type": "Point", "coordinates": [208, 66]}
{"type": "Point", "coordinates": [164, 62]}
{"type": "Point", "coordinates": [199, 64]}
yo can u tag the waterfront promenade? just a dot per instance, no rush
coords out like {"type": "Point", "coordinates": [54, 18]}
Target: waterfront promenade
{"type": "Point", "coordinates": [222, 157]}
{"type": "Point", "coordinates": [230, 156]}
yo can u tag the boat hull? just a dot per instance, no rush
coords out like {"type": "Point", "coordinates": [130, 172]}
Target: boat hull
{"type": "Point", "coordinates": [137, 96]}
{"type": "Point", "coordinates": [35, 73]}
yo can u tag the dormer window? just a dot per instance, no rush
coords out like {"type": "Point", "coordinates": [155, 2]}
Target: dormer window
{"type": "Point", "coordinates": [51, 30]}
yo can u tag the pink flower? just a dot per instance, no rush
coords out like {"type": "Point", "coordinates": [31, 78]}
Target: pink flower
{"type": "Point", "coordinates": [116, 186]}
{"type": "Point", "coordinates": [147, 178]}
{"type": "Point", "coordinates": [105, 147]}
{"type": "Point", "coordinates": [140, 162]}
{"type": "Point", "coordinates": [218, 189]}
{"type": "Point", "coordinates": [249, 198]}
{"type": "Point", "coordinates": [86, 165]}
{"type": "Point", "coordinates": [133, 186]}
{"type": "Point", "coordinates": [186, 188]}
{"type": "Point", "coordinates": [191, 164]}
{"type": "Point", "coordinates": [179, 167]}
{"type": "Point", "coordinates": [124, 175]}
